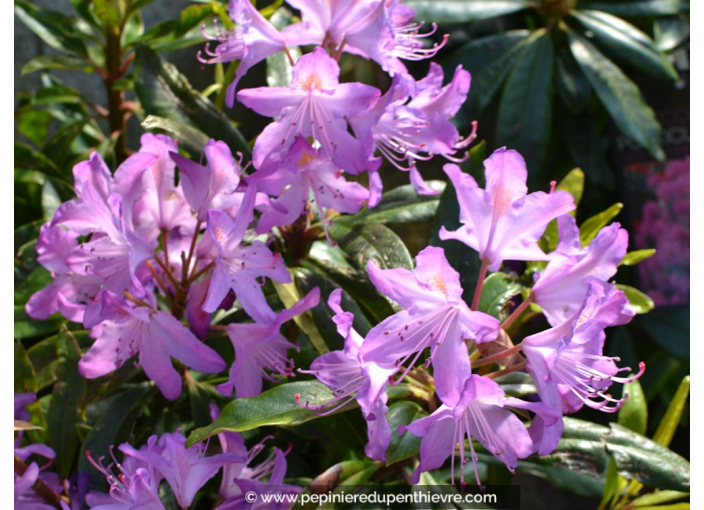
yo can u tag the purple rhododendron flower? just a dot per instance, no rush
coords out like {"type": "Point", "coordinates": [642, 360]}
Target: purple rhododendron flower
{"type": "Point", "coordinates": [153, 334]}
{"type": "Point", "coordinates": [567, 364]}
{"type": "Point", "coordinates": [251, 41]}
{"type": "Point", "coordinates": [260, 348]}
{"type": "Point", "coordinates": [479, 412]}
{"type": "Point", "coordinates": [315, 105]}
{"type": "Point", "coordinates": [502, 222]}
{"type": "Point", "coordinates": [435, 317]}
{"type": "Point", "coordinates": [561, 288]}
{"type": "Point", "coordinates": [25, 498]}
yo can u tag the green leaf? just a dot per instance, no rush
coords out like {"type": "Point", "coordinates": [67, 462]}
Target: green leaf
{"type": "Point", "coordinates": [591, 227]}
{"type": "Point", "coordinates": [633, 257]}
{"type": "Point", "coordinates": [668, 425]}
{"type": "Point", "coordinates": [634, 413]}
{"type": "Point", "coordinates": [50, 200]}
{"type": "Point", "coordinates": [400, 205]}
{"type": "Point", "coordinates": [640, 301]}
{"type": "Point", "coordinates": [164, 35]}
{"type": "Point", "coordinates": [586, 447]}
{"type": "Point", "coordinates": [26, 327]}
{"type": "Point", "coordinates": [276, 406]}
{"type": "Point", "coordinates": [138, 4]}
{"type": "Point", "coordinates": [497, 291]}
{"type": "Point", "coordinates": [289, 295]}
{"type": "Point", "coordinates": [655, 498]}
{"type": "Point", "coordinates": [199, 401]}
{"type": "Point", "coordinates": [619, 95]}
{"type": "Point", "coordinates": [45, 360]}
{"type": "Point", "coordinates": [461, 11]}
{"type": "Point", "coordinates": [489, 80]}
{"type": "Point", "coordinates": [54, 28]}
{"type": "Point", "coordinates": [374, 243]}
{"type": "Point", "coordinates": [625, 43]}
{"type": "Point", "coordinates": [461, 257]}
{"type": "Point", "coordinates": [65, 405]}
{"type": "Point", "coordinates": [336, 475]}
{"type": "Point", "coordinates": [669, 327]}
{"type": "Point", "coordinates": [611, 484]}
{"type": "Point", "coordinates": [572, 85]}
{"type": "Point", "coordinates": [44, 62]}
{"type": "Point", "coordinates": [516, 384]}
{"type": "Point", "coordinates": [25, 378]}
{"type": "Point", "coordinates": [278, 66]}
{"type": "Point", "coordinates": [34, 124]}
{"type": "Point", "coordinates": [191, 136]}
{"type": "Point", "coordinates": [58, 146]}
{"type": "Point", "coordinates": [164, 92]}
{"type": "Point", "coordinates": [525, 111]}
{"type": "Point", "coordinates": [633, 8]}
{"type": "Point", "coordinates": [119, 415]}
{"type": "Point", "coordinates": [134, 28]}
{"type": "Point", "coordinates": [670, 32]}
{"type": "Point", "coordinates": [406, 445]}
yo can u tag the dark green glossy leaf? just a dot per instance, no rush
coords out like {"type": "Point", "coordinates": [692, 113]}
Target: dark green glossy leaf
{"type": "Point", "coordinates": [355, 282]}
{"type": "Point", "coordinates": [191, 136]}
{"type": "Point", "coordinates": [120, 414]}
{"type": "Point", "coordinates": [276, 406]}
{"type": "Point", "coordinates": [525, 111]}
{"type": "Point", "coordinates": [65, 406]}
{"type": "Point", "coordinates": [83, 8]}
{"type": "Point", "coordinates": [26, 327]}
{"type": "Point", "coordinates": [572, 85]}
{"type": "Point", "coordinates": [619, 95]}
{"type": "Point", "coordinates": [164, 92]}
{"type": "Point", "coordinates": [497, 291]}
{"type": "Point", "coordinates": [516, 384]}
{"type": "Point", "coordinates": [670, 32]}
{"type": "Point", "coordinates": [35, 281]}
{"type": "Point", "coordinates": [461, 257]}
{"type": "Point", "coordinates": [400, 205]}
{"type": "Point", "coordinates": [591, 227]}
{"type": "Point", "coordinates": [669, 327]}
{"type": "Point", "coordinates": [634, 257]}
{"type": "Point", "coordinates": [45, 360]}
{"type": "Point", "coordinates": [403, 446]}
{"type": "Point", "coordinates": [586, 447]}
{"type": "Point", "coordinates": [322, 314]}
{"type": "Point", "coordinates": [162, 36]}
{"type": "Point", "coordinates": [624, 42]}
{"type": "Point", "coordinates": [668, 425]}
{"type": "Point", "coordinates": [461, 11]}
{"type": "Point", "coordinates": [487, 82]}
{"type": "Point", "coordinates": [54, 28]}
{"type": "Point", "coordinates": [640, 301]}
{"type": "Point", "coordinates": [199, 400]}
{"type": "Point", "coordinates": [43, 62]}
{"type": "Point", "coordinates": [58, 146]}
{"type": "Point", "coordinates": [25, 378]}
{"type": "Point", "coordinates": [34, 124]}
{"type": "Point", "coordinates": [133, 30]}
{"type": "Point", "coordinates": [634, 413]}
{"type": "Point", "coordinates": [633, 8]}
{"type": "Point", "coordinates": [374, 243]}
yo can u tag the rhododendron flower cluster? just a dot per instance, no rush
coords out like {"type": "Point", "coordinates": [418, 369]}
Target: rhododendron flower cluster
{"type": "Point", "coordinates": [166, 254]}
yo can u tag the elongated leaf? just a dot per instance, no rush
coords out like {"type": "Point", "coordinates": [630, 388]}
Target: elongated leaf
{"type": "Point", "coordinates": [525, 111]}
{"type": "Point", "coordinates": [191, 136]}
{"type": "Point", "coordinates": [106, 432]}
{"type": "Point", "coordinates": [497, 291]}
{"type": "Point", "coordinates": [290, 296]}
{"type": "Point", "coordinates": [25, 378]}
{"type": "Point", "coordinates": [640, 301]}
{"type": "Point", "coordinates": [400, 205]}
{"type": "Point", "coordinates": [45, 360]}
{"type": "Point", "coordinates": [26, 327]}
{"type": "Point", "coordinates": [489, 80]}
{"type": "Point", "coordinates": [668, 425]}
{"type": "Point", "coordinates": [43, 62]}
{"type": "Point", "coordinates": [611, 484]}
{"type": "Point", "coordinates": [585, 447]}
{"type": "Point", "coordinates": [655, 498]}
{"type": "Point", "coordinates": [572, 85]}
{"type": "Point", "coordinates": [174, 30]}
{"type": "Point", "coordinates": [634, 413]}
{"type": "Point", "coordinates": [619, 95]}
{"type": "Point", "coordinates": [337, 475]}
{"type": "Point", "coordinates": [624, 42]}
{"type": "Point", "coordinates": [65, 405]}
{"type": "Point", "coordinates": [278, 67]}
{"type": "Point", "coordinates": [276, 406]}
{"type": "Point", "coordinates": [371, 242]}
{"type": "Point", "coordinates": [54, 28]}
{"type": "Point", "coordinates": [632, 258]}
{"type": "Point", "coordinates": [669, 327]}
{"type": "Point", "coordinates": [591, 226]}
{"type": "Point", "coordinates": [403, 446]}
{"type": "Point", "coordinates": [634, 7]}
{"type": "Point", "coordinates": [670, 32]}
{"type": "Point", "coordinates": [517, 384]}
{"type": "Point", "coordinates": [460, 11]}
{"type": "Point", "coordinates": [164, 92]}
